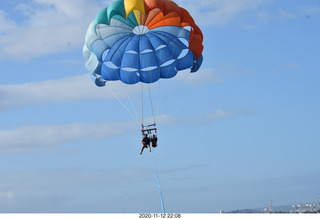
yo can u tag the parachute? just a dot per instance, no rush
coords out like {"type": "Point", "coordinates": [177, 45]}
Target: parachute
{"type": "Point", "coordinates": [142, 42]}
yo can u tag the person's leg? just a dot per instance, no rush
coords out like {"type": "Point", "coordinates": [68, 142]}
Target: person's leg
{"type": "Point", "coordinates": [142, 149]}
{"type": "Point", "coordinates": [149, 148]}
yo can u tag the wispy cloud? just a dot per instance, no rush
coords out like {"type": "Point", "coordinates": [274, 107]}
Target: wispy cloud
{"type": "Point", "coordinates": [63, 90]}
{"type": "Point", "coordinates": [204, 76]}
{"type": "Point", "coordinates": [5, 23]}
{"type": "Point", "coordinates": [35, 138]}
{"type": "Point", "coordinates": [49, 26]}
{"type": "Point", "coordinates": [217, 12]}
{"type": "Point", "coordinates": [45, 137]}
{"type": "Point", "coordinates": [286, 14]}
{"type": "Point", "coordinates": [77, 88]}
{"type": "Point", "coordinates": [195, 120]}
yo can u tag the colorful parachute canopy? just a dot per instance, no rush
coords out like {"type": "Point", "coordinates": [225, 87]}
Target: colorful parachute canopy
{"type": "Point", "coordinates": [142, 41]}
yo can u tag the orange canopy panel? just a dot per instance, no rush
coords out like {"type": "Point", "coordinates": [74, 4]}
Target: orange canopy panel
{"type": "Point", "coordinates": [172, 21]}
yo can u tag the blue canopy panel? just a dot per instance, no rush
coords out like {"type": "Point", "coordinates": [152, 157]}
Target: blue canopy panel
{"type": "Point", "coordinates": [148, 59]}
{"type": "Point", "coordinates": [144, 43]}
{"type": "Point", "coordinates": [130, 59]}
{"type": "Point", "coordinates": [164, 54]}
{"type": "Point", "coordinates": [185, 60]}
{"type": "Point", "coordinates": [169, 69]}
{"type": "Point", "coordinates": [174, 44]}
{"type": "Point", "coordinates": [155, 40]}
{"type": "Point", "coordinates": [167, 62]}
{"type": "Point", "coordinates": [133, 45]}
{"type": "Point", "coordinates": [110, 72]}
{"type": "Point", "coordinates": [165, 35]}
{"type": "Point", "coordinates": [117, 50]}
{"type": "Point", "coordinates": [150, 74]}
{"type": "Point", "coordinates": [178, 32]}
{"type": "Point", "coordinates": [197, 64]}
{"type": "Point", "coordinates": [129, 75]}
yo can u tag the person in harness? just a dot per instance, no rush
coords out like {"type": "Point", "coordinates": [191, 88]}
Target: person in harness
{"type": "Point", "coordinates": [146, 143]}
{"type": "Point", "coordinates": [154, 141]}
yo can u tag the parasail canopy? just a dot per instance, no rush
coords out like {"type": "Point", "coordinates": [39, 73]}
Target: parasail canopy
{"type": "Point", "coordinates": [142, 41]}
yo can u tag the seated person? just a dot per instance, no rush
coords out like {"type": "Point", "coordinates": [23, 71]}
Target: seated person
{"type": "Point", "coordinates": [146, 143]}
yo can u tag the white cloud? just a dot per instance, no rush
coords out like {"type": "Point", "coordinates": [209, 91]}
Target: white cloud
{"type": "Point", "coordinates": [201, 77]}
{"type": "Point", "coordinates": [46, 137]}
{"type": "Point", "coordinates": [63, 90]}
{"type": "Point", "coordinates": [195, 120]}
{"type": "Point", "coordinates": [49, 26]}
{"type": "Point", "coordinates": [81, 87]}
{"type": "Point", "coordinates": [286, 14]}
{"type": "Point", "coordinates": [218, 12]}
{"type": "Point", "coordinates": [39, 138]}
{"type": "Point", "coordinates": [5, 23]}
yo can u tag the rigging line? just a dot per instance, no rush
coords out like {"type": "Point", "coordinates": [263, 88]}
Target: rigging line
{"type": "Point", "coordinates": [157, 92]}
{"type": "Point", "coordinates": [123, 105]}
{"type": "Point", "coordinates": [154, 120]}
{"type": "Point", "coordinates": [127, 98]}
{"type": "Point", "coordinates": [141, 103]}
{"type": "Point", "coordinates": [158, 181]}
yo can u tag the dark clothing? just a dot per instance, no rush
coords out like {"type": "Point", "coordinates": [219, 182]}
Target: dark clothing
{"type": "Point", "coordinates": [146, 141]}
{"type": "Point", "coordinates": [154, 142]}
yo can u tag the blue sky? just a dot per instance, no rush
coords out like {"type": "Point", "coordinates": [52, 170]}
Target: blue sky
{"type": "Point", "coordinates": [242, 131]}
